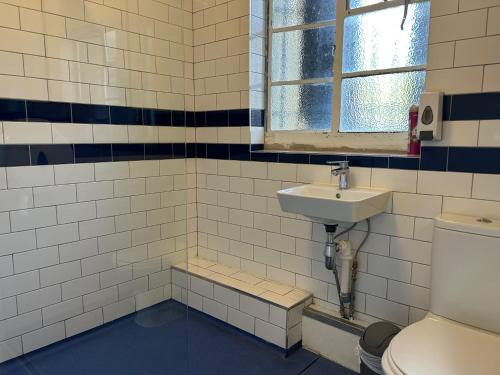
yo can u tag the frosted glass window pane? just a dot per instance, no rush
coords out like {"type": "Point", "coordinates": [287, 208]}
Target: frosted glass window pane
{"type": "Point", "coordinates": [375, 40]}
{"type": "Point", "coordinates": [303, 54]}
{"type": "Point", "coordinates": [299, 12]}
{"type": "Point", "coordinates": [302, 107]}
{"type": "Point", "coordinates": [363, 3]}
{"type": "Point", "coordinates": [379, 103]}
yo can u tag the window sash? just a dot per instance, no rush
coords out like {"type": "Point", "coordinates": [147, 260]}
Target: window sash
{"type": "Point", "coordinates": [343, 11]}
{"type": "Point", "coordinates": [378, 72]}
{"type": "Point", "coordinates": [302, 82]}
{"type": "Point", "coordinates": [269, 65]}
{"type": "Point", "coordinates": [305, 26]}
{"type": "Point", "coordinates": [370, 8]}
{"type": "Point", "coordinates": [272, 31]}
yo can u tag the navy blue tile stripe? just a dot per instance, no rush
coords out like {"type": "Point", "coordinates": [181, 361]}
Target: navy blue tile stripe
{"type": "Point", "coordinates": [13, 110]}
{"type": "Point", "coordinates": [59, 112]}
{"type": "Point", "coordinates": [231, 117]}
{"type": "Point", "coordinates": [50, 154]}
{"type": "Point", "coordinates": [48, 111]}
{"type": "Point", "coordinates": [480, 106]}
{"type": "Point", "coordinates": [434, 158]}
{"type": "Point", "coordinates": [476, 160]}
{"type": "Point", "coordinates": [453, 159]}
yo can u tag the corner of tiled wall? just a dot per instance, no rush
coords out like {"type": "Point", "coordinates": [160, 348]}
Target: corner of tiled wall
{"type": "Point", "coordinates": [91, 236]}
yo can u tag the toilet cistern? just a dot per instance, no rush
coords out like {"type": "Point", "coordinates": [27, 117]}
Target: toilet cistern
{"type": "Point", "coordinates": [341, 169]}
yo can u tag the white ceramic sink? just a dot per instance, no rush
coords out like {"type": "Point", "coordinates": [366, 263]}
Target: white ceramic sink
{"type": "Point", "coordinates": [327, 204]}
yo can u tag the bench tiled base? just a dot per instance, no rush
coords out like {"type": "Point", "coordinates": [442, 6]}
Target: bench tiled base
{"type": "Point", "coordinates": [266, 309]}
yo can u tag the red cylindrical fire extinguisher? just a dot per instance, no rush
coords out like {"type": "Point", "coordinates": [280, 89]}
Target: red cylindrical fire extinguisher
{"type": "Point", "coordinates": [413, 141]}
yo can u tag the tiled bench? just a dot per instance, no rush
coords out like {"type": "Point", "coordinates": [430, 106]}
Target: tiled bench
{"type": "Point", "coordinates": [266, 309]}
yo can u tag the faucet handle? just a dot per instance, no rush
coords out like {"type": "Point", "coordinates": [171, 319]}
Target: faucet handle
{"type": "Point", "coordinates": [342, 164]}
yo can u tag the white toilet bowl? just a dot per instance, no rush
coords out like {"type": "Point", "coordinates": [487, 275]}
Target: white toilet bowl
{"type": "Point", "coordinates": [439, 346]}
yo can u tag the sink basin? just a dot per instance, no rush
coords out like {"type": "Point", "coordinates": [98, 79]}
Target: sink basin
{"type": "Point", "coordinates": [327, 204]}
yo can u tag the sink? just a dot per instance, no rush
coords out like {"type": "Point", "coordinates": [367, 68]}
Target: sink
{"type": "Point", "coordinates": [327, 204]}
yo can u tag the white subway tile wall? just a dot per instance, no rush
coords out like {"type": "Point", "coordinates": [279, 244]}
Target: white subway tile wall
{"type": "Point", "coordinates": [283, 247]}
{"type": "Point", "coordinates": [221, 57]}
{"type": "Point", "coordinates": [247, 230]}
{"type": "Point", "coordinates": [134, 53]}
{"type": "Point", "coordinates": [87, 255]}
{"type": "Point", "coordinates": [76, 249]}
{"type": "Point", "coordinates": [81, 245]}
{"type": "Point", "coordinates": [462, 58]}
{"type": "Point", "coordinates": [71, 256]}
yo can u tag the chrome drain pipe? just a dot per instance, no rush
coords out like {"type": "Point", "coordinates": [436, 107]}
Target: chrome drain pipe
{"type": "Point", "coordinates": [349, 262]}
{"type": "Point", "coordinates": [330, 254]}
{"type": "Point", "coordinates": [330, 246]}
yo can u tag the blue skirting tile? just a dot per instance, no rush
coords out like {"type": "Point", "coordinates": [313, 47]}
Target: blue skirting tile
{"type": "Point", "coordinates": [293, 158]}
{"type": "Point", "coordinates": [434, 158]}
{"type": "Point", "coordinates": [217, 151]}
{"type": "Point", "coordinates": [216, 118]}
{"type": "Point", "coordinates": [48, 111]}
{"type": "Point", "coordinates": [126, 116]}
{"type": "Point", "coordinates": [474, 160]}
{"type": "Point", "coordinates": [323, 159]}
{"type": "Point", "coordinates": [12, 110]}
{"type": "Point", "coordinates": [92, 153]}
{"type": "Point", "coordinates": [239, 117]}
{"type": "Point", "coordinates": [52, 154]}
{"type": "Point", "coordinates": [410, 163]}
{"type": "Point", "coordinates": [157, 117]}
{"type": "Point", "coordinates": [239, 152]}
{"type": "Point", "coordinates": [90, 114]}
{"type": "Point", "coordinates": [155, 151]}
{"type": "Point", "coordinates": [256, 147]}
{"type": "Point", "coordinates": [127, 152]}
{"type": "Point", "coordinates": [14, 155]}
{"type": "Point", "coordinates": [178, 118]}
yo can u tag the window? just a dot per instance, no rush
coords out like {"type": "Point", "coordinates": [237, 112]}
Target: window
{"type": "Point", "coordinates": [345, 68]}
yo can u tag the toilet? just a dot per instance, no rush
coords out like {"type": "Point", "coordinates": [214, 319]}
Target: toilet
{"type": "Point", "coordinates": [461, 333]}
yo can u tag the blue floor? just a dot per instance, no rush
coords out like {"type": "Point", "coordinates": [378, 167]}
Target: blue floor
{"type": "Point", "coordinates": [165, 340]}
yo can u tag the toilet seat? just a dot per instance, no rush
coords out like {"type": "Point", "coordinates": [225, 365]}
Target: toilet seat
{"type": "Point", "coordinates": [443, 347]}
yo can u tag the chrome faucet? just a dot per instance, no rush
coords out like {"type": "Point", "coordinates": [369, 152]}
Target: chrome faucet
{"type": "Point", "coordinates": [341, 169]}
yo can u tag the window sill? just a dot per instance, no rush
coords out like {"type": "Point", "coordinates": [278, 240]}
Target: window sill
{"type": "Point", "coordinates": [368, 153]}
{"type": "Point", "coordinates": [356, 159]}
{"type": "Point", "coordinates": [334, 142]}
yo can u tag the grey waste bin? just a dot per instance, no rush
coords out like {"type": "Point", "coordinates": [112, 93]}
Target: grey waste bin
{"type": "Point", "coordinates": [372, 345]}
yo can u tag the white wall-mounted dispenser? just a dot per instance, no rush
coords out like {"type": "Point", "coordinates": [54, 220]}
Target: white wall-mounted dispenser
{"type": "Point", "coordinates": [430, 116]}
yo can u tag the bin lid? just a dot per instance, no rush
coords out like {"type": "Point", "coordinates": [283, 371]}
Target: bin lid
{"type": "Point", "coordinates": [376, 338]}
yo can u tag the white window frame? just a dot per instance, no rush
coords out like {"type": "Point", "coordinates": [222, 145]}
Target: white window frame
{"type": "Point", "coordinates": [333, 139]}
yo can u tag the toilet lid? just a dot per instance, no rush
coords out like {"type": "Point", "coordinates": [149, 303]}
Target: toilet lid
{"type": "Point", "coordinates": [440, 346]}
